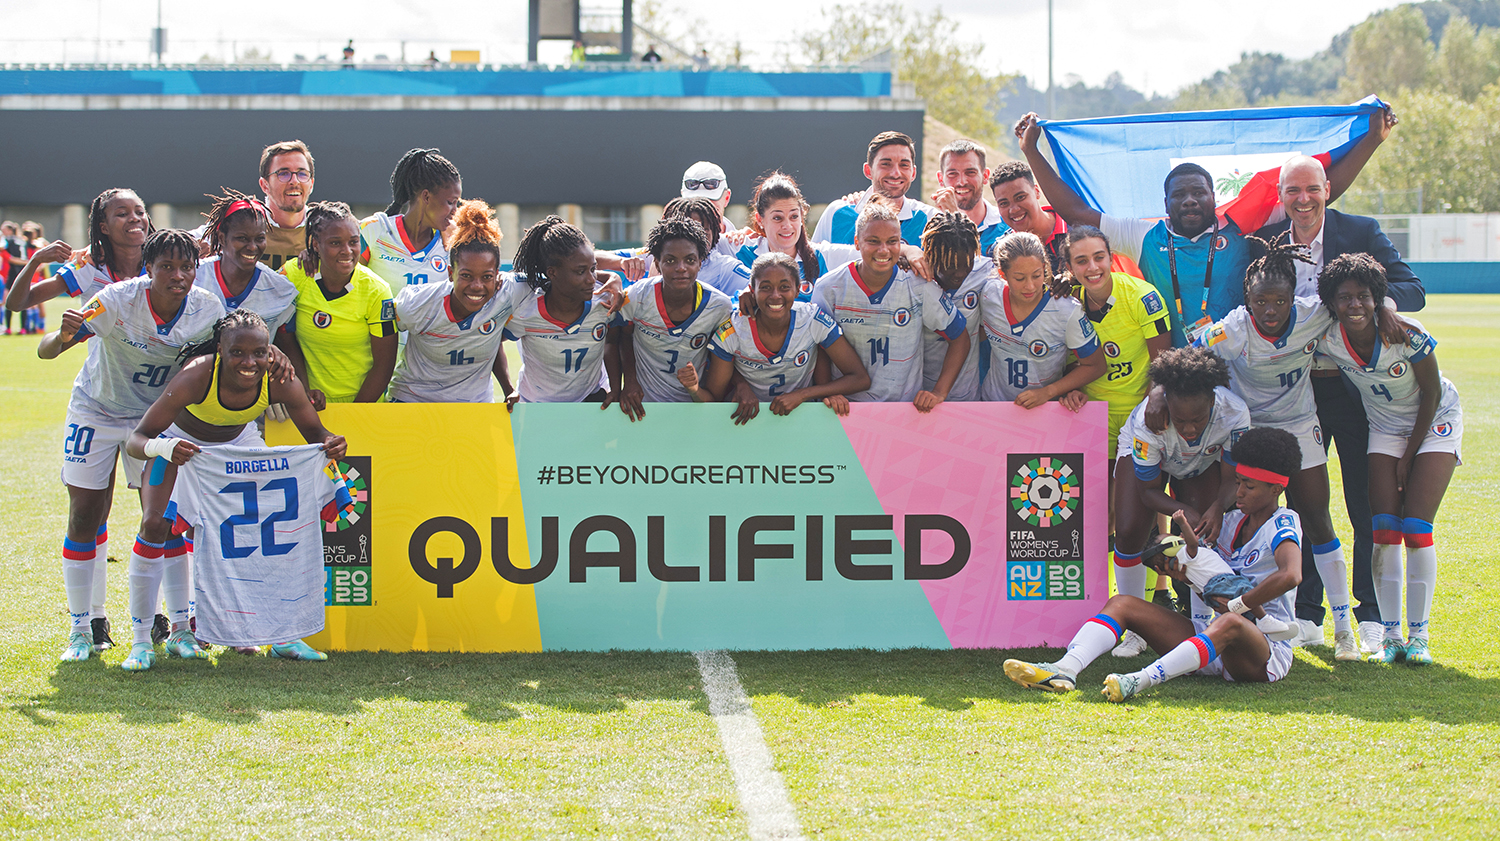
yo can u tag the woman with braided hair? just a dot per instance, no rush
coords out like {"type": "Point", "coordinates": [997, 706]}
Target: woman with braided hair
{"type": "Point", "coordinates": [224, 385]}
{"type": "Point", "coordinates": [236, 233]}
{"type": "Point", "coordinates": [118, 227]}
{"type": "Point", "coordinates": [404, 245]}
{"type": "Point", "coordinates": [950, 243]}
{"type": "Point", "coordinates": [718, 270]}
{"type": "Point", "coordinates": [563, 328]}
{"type": "Point", "coordinates": [344, 332]}
{"type": "Point", "coordinates": [137, 327]}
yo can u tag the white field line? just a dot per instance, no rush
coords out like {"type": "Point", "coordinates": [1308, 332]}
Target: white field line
{"type": "Point", "coordinates": [762, 793]}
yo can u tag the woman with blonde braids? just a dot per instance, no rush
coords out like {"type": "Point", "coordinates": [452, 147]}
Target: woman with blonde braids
{"type": "Point", "coordinates": [454, 326]}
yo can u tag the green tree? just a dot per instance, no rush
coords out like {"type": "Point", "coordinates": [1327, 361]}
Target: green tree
{"type": "Point", "coordinates": [1465, 59]}
{"type": "Point", "coordinates": [1441, 148]}
{"type": "Point", "coordinates": [927, 49]}
{"type": "Point", "coordinates": [1389, 52]}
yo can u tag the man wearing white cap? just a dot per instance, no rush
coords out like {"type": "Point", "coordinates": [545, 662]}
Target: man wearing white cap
{"type": "Point", "coordinates": [706, 179]}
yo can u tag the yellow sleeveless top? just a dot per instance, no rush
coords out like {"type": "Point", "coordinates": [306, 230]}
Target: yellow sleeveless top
{"type": "Point", "coordinates": [211, 411]}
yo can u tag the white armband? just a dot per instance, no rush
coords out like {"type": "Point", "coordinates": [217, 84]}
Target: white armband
{"type": "Point", "coordinates": [161, 447]}
{"type": "Point", "coordinates": [1237, 605]}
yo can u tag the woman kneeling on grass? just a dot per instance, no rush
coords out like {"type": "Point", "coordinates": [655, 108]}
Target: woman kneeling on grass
{"type": "Point", "coordinates": [1261, 540]}
{"type": "Point", "coordinates": [214, 400]}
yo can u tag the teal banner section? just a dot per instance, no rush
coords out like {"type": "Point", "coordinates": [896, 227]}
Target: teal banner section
{"type": "Point", "coordinates": [684, 532]}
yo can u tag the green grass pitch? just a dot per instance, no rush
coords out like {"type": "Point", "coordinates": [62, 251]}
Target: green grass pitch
{"type": "Point", "coordinates": [906, 744]}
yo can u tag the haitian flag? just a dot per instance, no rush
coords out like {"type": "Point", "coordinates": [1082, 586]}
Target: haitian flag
{"type": "Point", "coordinates": [1117, 164]}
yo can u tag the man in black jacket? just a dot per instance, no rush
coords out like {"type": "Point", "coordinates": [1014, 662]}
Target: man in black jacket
{"type": "Point", "coordinates": [1341, 414]}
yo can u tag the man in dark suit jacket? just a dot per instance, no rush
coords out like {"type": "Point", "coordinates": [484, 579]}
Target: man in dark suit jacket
{"type": "Point", "coordinates": [1341, 413]}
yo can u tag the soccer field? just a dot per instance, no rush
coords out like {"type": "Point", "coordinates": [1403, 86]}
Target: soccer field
{"type": "Point", "coordinates": [902, 744]}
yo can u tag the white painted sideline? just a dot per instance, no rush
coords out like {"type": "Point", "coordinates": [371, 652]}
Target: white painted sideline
{"type": "Point", "coordinates": [762, 793]}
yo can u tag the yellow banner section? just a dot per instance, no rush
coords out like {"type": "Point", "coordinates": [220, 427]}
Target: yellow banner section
{"type": "Point", "coordinates": [447, 460]}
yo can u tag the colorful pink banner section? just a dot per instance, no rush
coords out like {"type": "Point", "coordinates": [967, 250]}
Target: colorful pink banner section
{"type": "Point", "coordinates": [973, 461]}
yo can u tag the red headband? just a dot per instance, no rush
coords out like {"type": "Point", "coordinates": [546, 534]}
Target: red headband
{"type": "Point", "coordinates": [1261, 474]}
{"type": "Point", "coordinates": [242, 204]}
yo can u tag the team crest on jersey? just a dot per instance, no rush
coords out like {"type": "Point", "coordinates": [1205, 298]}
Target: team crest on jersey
{"type": "Point", "coordinates": [439, 265]}
{"type": "Point", "coordinates": [970, 300]}
{"type": "Point", "coordinates": [1152, 302]}
{"type": "Point", "coordinates": [1311, 346]}
{"type": "Point", "coordinates": [1397, 368]}
{"type": "Point", "coordinates": [1212, 450]}
{"type": "Point", "coordinates": [1221, 242]}
{"type": "Point", "coordinates": [805, 287]}
{"type": "Point", "coordinates": [1111, 349]}
{"type": "Point", "coordinates": [801, 358]}
{"type": "Point", "coordinates": [901, 317]}
{"type": "Point", "coordinates": [698, 340]}
{"type": "Point", "coordinates": [1317, 435]}
{"type": "Point", "coordinates": [1038, 348]}
{"type": "Point", "coordinates": [599, 331]}
{"type": "Point", "coordinates": [1442, 430]}
{"type": "Point", "coordinates": [487, 328]}
{"type": "Point", "coordinates": [322, 319]}
{"type": "Point", "coordinates": [1141, 449]}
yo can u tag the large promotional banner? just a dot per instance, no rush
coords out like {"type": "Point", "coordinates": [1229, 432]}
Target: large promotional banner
{"type": "Point", "coordinates": [564, 526]}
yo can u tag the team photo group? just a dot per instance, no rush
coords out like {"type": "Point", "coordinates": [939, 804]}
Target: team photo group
{"type": "Point", "coordinates": [1230, 358]}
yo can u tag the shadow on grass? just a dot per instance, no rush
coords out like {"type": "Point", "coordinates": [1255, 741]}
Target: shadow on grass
{"type": "Point", "coordinates": [955, 680]}
{"type": "Point", "coordinates": [490, 687]}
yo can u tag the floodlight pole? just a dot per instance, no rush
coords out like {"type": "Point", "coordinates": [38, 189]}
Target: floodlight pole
{"type": "Point", "coordinates": [1051, 91]}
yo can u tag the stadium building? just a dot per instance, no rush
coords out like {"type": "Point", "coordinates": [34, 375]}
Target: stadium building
{"type": "Point", "coordinates": [602, 146]}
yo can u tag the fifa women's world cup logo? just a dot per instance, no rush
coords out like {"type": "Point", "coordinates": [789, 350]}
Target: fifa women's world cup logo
{"type": "Point", "coordinates": [1044, 527]}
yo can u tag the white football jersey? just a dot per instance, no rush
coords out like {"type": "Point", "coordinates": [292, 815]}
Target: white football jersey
{"type": "Point", "coordinates": [133, 353]}
{"type": "Point", "coordinates": [661, 347]}
{"type": "Point", "coordinates": [82, 278]}
{"type": "Point", "coordinates": [1031, 352]}
{"type": "Point", "coordinates": [966, 299]}
{"type": "Point", "coordinates": [1256, 559]}
{"type": "Point", "coordinates": [829, 255]}
{"type": "Point", "coordinates": [772, 372]}
{"type": "Point", "coordinates": [449, 360]}
{"type": "Point", "coordinates": [1174, 455]}
{"type": "Point", "coordinates": [560, 363]}
{"type": "Point", "coordinates": [887, 327]}
{"type": "Point", "coordinates": [257, 517]}
{"type": "Point", "coordinates": [389, 254]}
{"type": "Point", "coordinates": [1270, 373]}
{"type": "Point", "coordinates": [1387, 381]}
{"type": "Point", "coordinates": [269, 294]}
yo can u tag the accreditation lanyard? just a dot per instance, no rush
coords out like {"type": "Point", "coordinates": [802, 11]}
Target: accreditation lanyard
{"type": "Point", "coordinates": [1208, 276]}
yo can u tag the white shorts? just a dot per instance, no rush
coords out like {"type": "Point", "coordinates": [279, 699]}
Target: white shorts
{"type": "Point", "coordinates": [91, 443]}
{"type": "Point", "coordinates": [1277, 665]}
{"type": "Point", "coordinates": [1309, 436]}
{"type": "Point", "coordinates": [1444, 436]}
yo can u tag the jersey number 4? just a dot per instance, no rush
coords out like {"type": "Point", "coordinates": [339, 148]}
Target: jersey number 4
{"type": "Point", "coordinates": [251, 516]}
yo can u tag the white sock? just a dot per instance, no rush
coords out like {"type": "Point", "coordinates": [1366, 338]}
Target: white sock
{"type": "Point", "coordinates": [101, 572]}
{"type": "Point", "coordinates": [176, 582]}
{"type": "Point", "coordinates": [1421, 576]}
{"type": "Point", "coordinates": [1190, 655]}
{"type": "Point", "coordinates": [1329, 558]}
{"type": "Point", "coordinates": [78, 581]}
{"type": "Point", "coordinates": [1385, 566]}
{"type": "Point", "coordinates": [1097, 636]}
{"type": "Point", "coordinates": [1130, 580]}
{"type": "Point", "coordinates": [145, 587]}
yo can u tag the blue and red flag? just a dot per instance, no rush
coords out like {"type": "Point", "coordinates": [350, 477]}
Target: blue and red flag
{"type": "Point", "coordinates": [1117, 164]}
